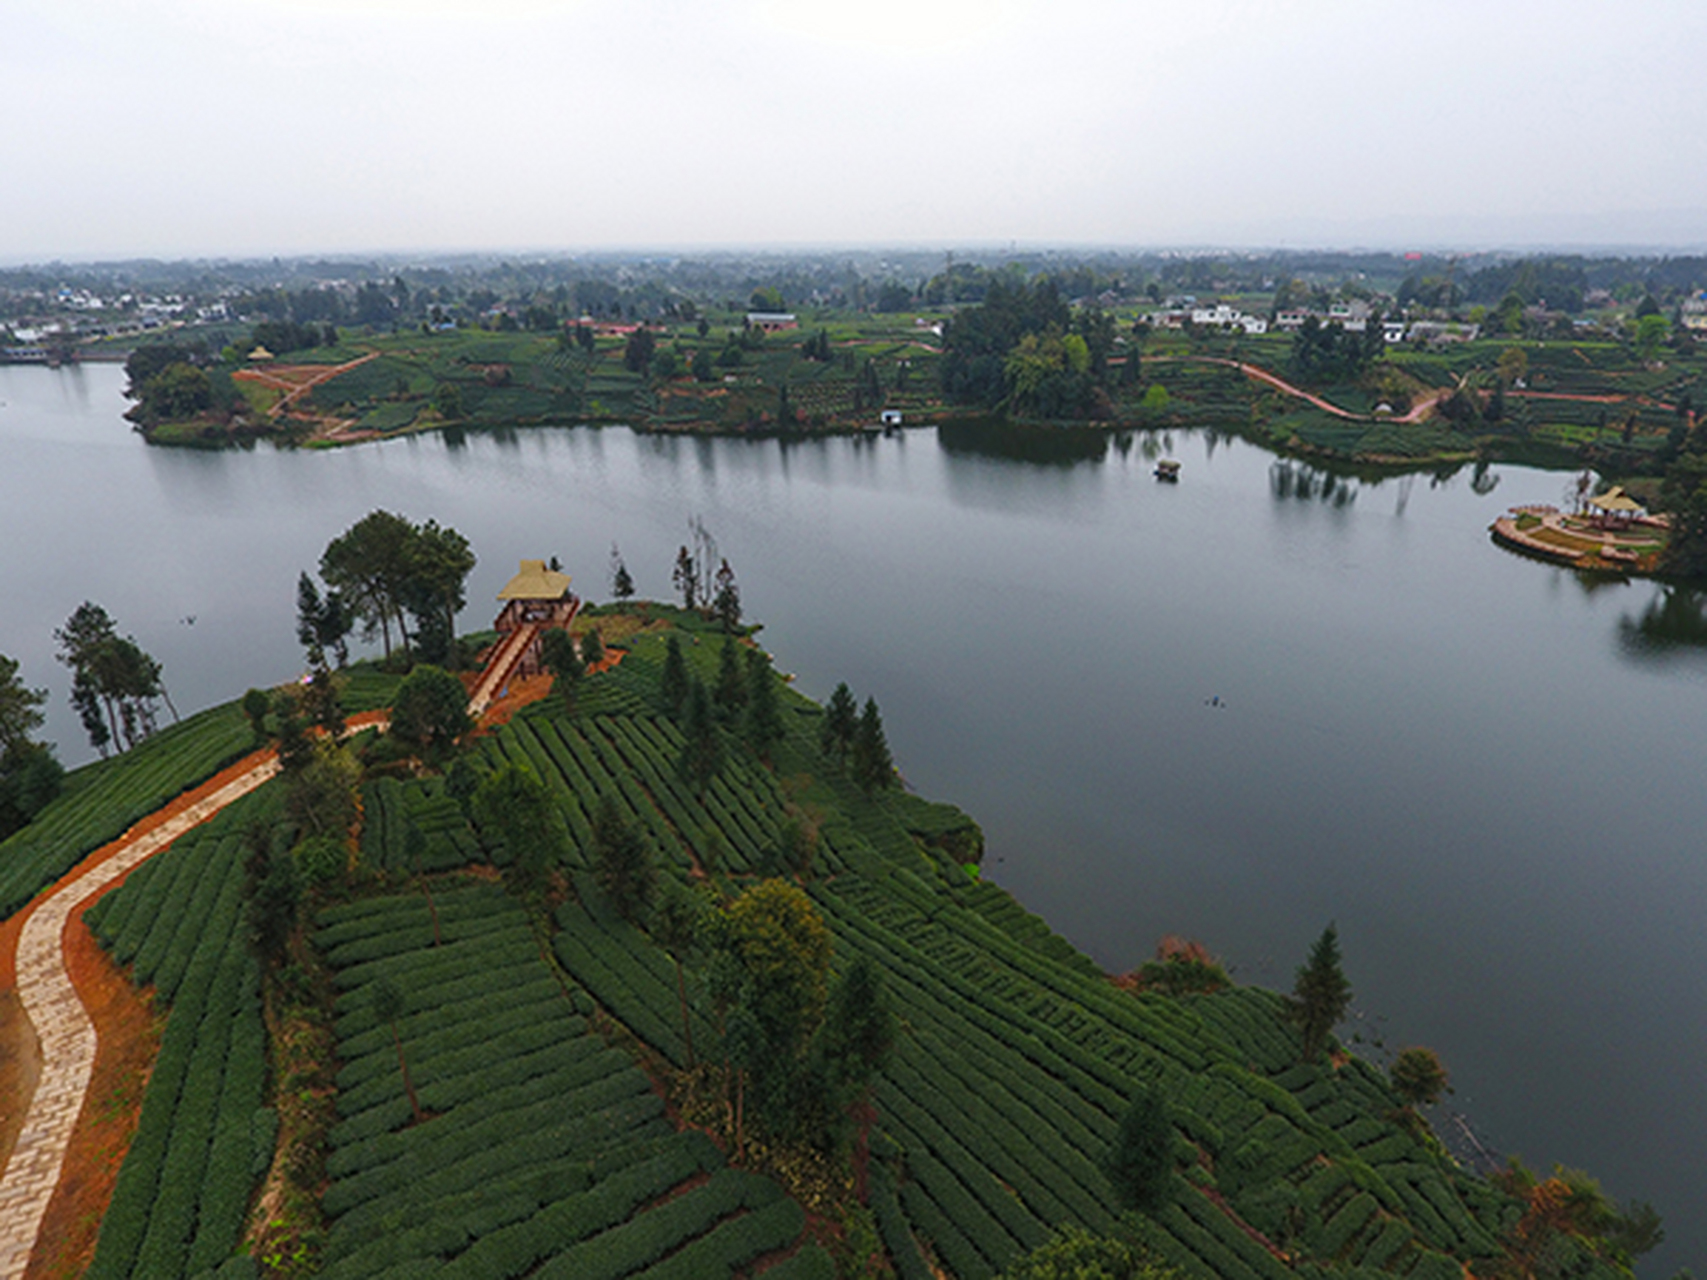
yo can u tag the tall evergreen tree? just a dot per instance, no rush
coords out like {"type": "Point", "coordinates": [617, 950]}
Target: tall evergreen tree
{"type": "Point", "coordinates": [763, 720]}
{"type": "Point", "coordinates": [702, 753]}
{"type": "Point", "coordinates": [621, 581]}
{"type": "Point", "coordinates": [841, 719]}
{"type": "Point", "coordinates": [1320, 994]}
{"type": "Point", "coordinates": [389, 1006]}
{"type": "Point", "coordinates": [685, 577]}
{"type": "Point", "coordinates": [558, 655]}
{"type": "Point", "coordinates": [731, 692]}
{"type": "Point", "coordinates": [673, 683]}
{"type": "Point", "coordinates": [873, 766]}
{"type": "Point", "coordinates": [621, 861]}
{"type": "Point", "coordinates": [726, 598]}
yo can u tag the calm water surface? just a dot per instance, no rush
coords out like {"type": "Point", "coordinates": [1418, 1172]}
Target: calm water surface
{"type": "Point", "coordinates": [1483, 770]}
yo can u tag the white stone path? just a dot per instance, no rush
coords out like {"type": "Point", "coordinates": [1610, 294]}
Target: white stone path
{"type": "Point", "coordinates": [63, 1027]}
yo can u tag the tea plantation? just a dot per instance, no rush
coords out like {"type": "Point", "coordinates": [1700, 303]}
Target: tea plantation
{"type": "Point", "coordinates": [541, 1038]}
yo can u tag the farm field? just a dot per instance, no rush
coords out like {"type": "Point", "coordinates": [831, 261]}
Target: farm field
{"type": "Point", "coordinates": [502, 1073]}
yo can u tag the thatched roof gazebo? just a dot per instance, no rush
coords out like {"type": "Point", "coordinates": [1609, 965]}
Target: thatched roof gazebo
{"type": "Point", "coordinates": [538, 597]}
{"type": "Point", "coordinates": [1615, 509]}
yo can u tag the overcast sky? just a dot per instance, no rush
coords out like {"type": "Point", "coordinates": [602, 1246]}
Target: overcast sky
{"type": "Point", "coordinates": [195, 127]}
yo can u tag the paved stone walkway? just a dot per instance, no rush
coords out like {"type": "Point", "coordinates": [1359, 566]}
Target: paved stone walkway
{"type": "Point", "coordinates": [63, 1027]}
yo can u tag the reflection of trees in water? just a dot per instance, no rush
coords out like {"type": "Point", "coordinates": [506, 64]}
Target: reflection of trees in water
{"type": "Point", "coordinates": [1301, 482]}
{"type": "Point", "coordinates": [1674, 623]}
{"type": "Point", "coordinates": [990, 438]}
{"type": "Point", "coordinates": [1484, 480]}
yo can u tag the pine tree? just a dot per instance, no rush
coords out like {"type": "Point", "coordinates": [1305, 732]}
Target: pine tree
{"type": "Point", "coordinates": [621, 860]}
{"type": "Point", "coordinates": [1320, 994]}
{"type": "Point", "coordinates": [841, 718]}
{"type": "Point", "coordinates": [763, 721]}
{"type": "Point", "coordinates": [621, 581]}
{"type": "Point", "coordinates": [557, 654]}
{"type": "Point", "coordinates": [702, 753]}
{"type": "Point", "coordinates": [685, 577]}
{"type": "Point", "coordinates": [673, 684]}
{"type": "Point", "coordinates": [731, 693]}
{"type": "Point", "coordinates": [726, 599]}
{"type": "Point", "coordinates": [873, 766]}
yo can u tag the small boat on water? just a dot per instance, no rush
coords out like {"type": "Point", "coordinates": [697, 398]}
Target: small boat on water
{"type": "Point", "coordinates": [1167, 469]}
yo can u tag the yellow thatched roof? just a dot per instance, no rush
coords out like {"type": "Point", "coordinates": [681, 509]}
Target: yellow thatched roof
{"type": "Point", "coordinates": [260, 353]}
{"type": "Point", "coordinates": [536, 582]}
{"type": "Point", "coordinates": [1615, 499]}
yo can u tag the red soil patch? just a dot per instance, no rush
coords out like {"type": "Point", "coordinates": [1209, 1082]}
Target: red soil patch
{"type": "Point", "coordinates": [127, 1040]}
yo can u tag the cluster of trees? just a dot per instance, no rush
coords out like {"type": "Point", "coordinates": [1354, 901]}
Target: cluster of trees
{"type": "Point", "coordinates": [798, 1052]}
{"type": "Point", "coordinates": [1024, 350]}
{"type": "Point", "coordinates": [115, 685]}
{"type": "Point", "coordinates": [714, 592]}
{"type": "Point", "coordinates": [280, 336]}
{"type": "Point", "coordinates": [855, 740]}
{"type": "Point", "coordinates": [29, 774]}
{"type": "Point", "coordinates": [1331, 353]}
{"type": "Point", "coordinates": [167, 382]}
{"type": "Point", "coordinates": [743, 703]}
{"type": "Point", "coordinates": [385, 571]}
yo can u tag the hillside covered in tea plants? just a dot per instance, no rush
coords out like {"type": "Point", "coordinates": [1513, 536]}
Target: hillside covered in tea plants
{"type": "Point", "coordinates": [662, 975]}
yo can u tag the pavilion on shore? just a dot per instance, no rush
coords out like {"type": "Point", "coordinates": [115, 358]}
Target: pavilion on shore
{"type": "Point", "coordinates": [1615, 509]}
{"type": "Point", "coordinates": [540, 597]}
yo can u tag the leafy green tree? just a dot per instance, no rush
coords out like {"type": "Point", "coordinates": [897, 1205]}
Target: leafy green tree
{"type": "Point", "coordinates": [30, 777]}
{"type": "Point", "coordinates": [1140, 1164]}
{"type": "Point", "coordinates": [641, 347]}
{"type": "Point", "coordinates": [1418, 1077]}
{"type": "Point", "coordinates": [436, 563]}
{"type": "Point", "coordinates": [702, 367]}
{"type": "Point", "coordinates": [1073, 1253]}
{"type": "Point", "coordinates": [320, 795]}
{"type": "Point", "coordinates": [389, 1004]}
{"type": "Point", "coordinates": [430, 713]}
{"type": "Point", "coordinates": [780, 949]}
{"type": "Point", "coordinates": [111, 677]}
{"type": "Point", "coordinates": [622, 862]}
{"type": "Point", "coordinates": [557, 653]}
{"type": "Point", "coordinates": [592, 647]}
{"type": "Point", "coordinates": [447, 401]}
{"type": "Point", "coordinates": [763, 719]}
{"type": "Point", "coordinates": [841, 722]}
{"type": "Point", "coordinates": [461, 782]}
{"type": "Point", "coordinates": [1320, 994]}
{"type": "Point", "coordinates": [731, 690]}
{"type": "Point", "coordinates": [673, 682]}
{"type": "Point", "coordinates": [702, 752]}
{"type": "Point", "coordinates": [785, 415]}
{"type": "Point", "coordinates": [872, 765]}
{"type": "Point", "coordinates": [513, 805]}
{"type": "Point", "coordinates": [1651, 331]}
{"type": "Point", "coordinates": [868, 389]}
{"type": "Point", "coordinates": [369, 563]}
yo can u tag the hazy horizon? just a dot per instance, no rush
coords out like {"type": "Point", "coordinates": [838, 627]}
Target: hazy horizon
{"type": "Point", "coordinates": [284, 128]}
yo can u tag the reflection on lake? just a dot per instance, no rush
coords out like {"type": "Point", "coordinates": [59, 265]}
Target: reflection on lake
{"type": "Point", "coordinates": [1443, 747]}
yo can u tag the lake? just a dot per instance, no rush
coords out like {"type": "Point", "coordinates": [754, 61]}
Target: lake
{"type": "Point", "coordinates": [1236, 708]}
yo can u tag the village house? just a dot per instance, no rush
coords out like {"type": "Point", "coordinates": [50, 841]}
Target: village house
{"type": "Point", "coordinates": [772, 321]}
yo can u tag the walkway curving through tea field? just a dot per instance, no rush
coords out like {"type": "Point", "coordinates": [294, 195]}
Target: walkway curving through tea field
{"type": "Point", "coordinates": [62, 1024]}
{"type": "Point", "coordinates": [34, 953]}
